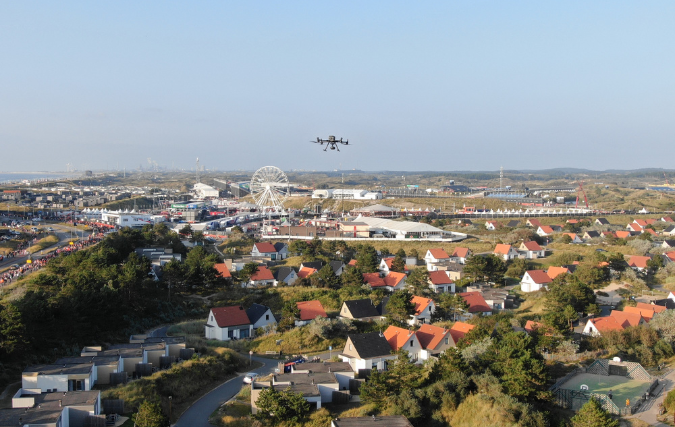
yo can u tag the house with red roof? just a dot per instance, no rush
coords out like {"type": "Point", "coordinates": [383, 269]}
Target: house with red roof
{"type": "Point", "coordinates": [460, 255]}
{"type": "Point", "coordinates": [532, 250]}
{"type": "Point", "coordinates": [309, 310]}
{"type": "Point", "coordinates": [227, 323]}
{"type": "Point", "coordinates": [403, 339]}
{"type": "Point", "coordinates": [534, 280]}
{"type": "Point", "coordinates": [459, 330]}
{"type": "Point", "coordinates": [476, 303]}
{"type": "Point", "coordinates": [434, 340]}
{"type": "Point", "coordinates": [622, 234]}
{"type": "Point", "coordinates": [441, 282]}
{"type": "Point", "coordinates": [667, 219]}
{"type": "Point", "coordinates": [424, 309]}
{"type": "Point", "coordinates": [492, 225]}
{"type": "Point", "coordinates": [269, 250]}
{"type": "Point", "coordinates": [616, 321]}
{"type": "Point", "coordinates": [222, 270]}
{"type": "Point", "coordinates": [434, 257]}
{"type": "Point", "coordinates": [650, 231]}
{"type": "Point", "coordinates": [505, 252]}
{"type": "Point", "coordinates": [668, 257]}
{"type": "Point", "coordinates": [262, 277]}
{"type": "Point", "coordinates": [638, 263]}
{"type": "Point", "coordinates": [374, 280]}
{"type": "Point", "coordinates": [385, 265]}
{"type": "Point", "coordinates": [533, 222]}
{"type": "Point", "coordinates": [531, 326]}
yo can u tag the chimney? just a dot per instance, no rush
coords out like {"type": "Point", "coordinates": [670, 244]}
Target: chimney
{"type": "Point", "coordinates": [60, 403]}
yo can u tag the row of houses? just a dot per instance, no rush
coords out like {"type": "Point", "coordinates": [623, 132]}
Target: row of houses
{"type": "Point", "coordinates": [630, 316]}
{"type": "Point", "coordinates": [62, 394]}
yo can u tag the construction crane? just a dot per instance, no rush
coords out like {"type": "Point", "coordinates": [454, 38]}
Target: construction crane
{"type": "Point", "coordinates": [582, 191]}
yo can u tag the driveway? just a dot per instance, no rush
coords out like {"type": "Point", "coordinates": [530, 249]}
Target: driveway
{"type": "Point", "coordinates": [198, 414]}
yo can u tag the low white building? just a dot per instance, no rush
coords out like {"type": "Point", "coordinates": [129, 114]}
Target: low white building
{"type": "Point", "coordinates": [130, 218]}
{"type": "Point", "coordinates": [226, 323]}
{"type": "Point", "coordinates": [367, 351]}
{"type": "Point", "coordinates": [346, 194]}
{"type": "Point", "coordinates": [203, 191]}
{"type": "Point", "coordinates": [534, 280]}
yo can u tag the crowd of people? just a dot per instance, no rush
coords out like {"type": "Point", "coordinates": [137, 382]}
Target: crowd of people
{"type": "Point", "coordinates": [12, 275]}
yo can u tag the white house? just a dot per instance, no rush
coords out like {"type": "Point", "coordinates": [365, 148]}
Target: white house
{"type": "Point", "coordinates": [267, 249]}
{"type": "Point", "coordinates": [367, 351]}
{"type": "Point", "coordinates": [440, 282]}
{"type": "Point", "coordinates": [287, 275]}
{"type": "Point", "coordinates": [424, 309]}
{"type": "Point", "coordinates": [58, 378]}
{"type": "Point", "coordinates": [532, 250]}
{"type": "Point", "coordinates": [403, 339]}
{"type": "Point", "coordinates": [261, 316]}
{"type": "Point", "coordinates": [460, 255]}
{"type": "Point", "coordinates": [434, 257]}
{"type": "Point", "coordinates": [534, 280]}
{"type": "Point", "coordinates": [227, 323]}
{"type": "Point", "coordinates": [262, 277]}
{"type": "Point", "coordinates": [505, 252]}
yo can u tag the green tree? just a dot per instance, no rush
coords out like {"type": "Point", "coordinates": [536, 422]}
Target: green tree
{"type": "Point", "coordinates": [519, 366]}
{"type": "Point", "coordinates": [518, 267]}
{"type": "Point", "coordinates": [592, 415]}
{"type": "Point", "coordinates": [567, 290]}
{"type": "Point", "coordinates": [327, 277]}
{"type": "Point", "coordinates": [375, 390]}
{"type": "Point", "coordinates": [401, 253]}
{"type": "Point", "coordinates": [289, 314]}
{"type": "Point", "coordinates": [399, 307]}
{"type": "Point", "coordinates": [351, 277]}
{"type": "Point", "coordinates": [248, 270]}
{"type": "Point", "coordinates": [186, 230]}
{"type": "Point", "coordinates": [451, 305]}
{"type": "Point", "coordinates": [566, 239]}
{"type": "Point", "coordinates": [198, 237]}
{"type": "Point", "coordinates": [413, 253]}
{"type": "Point", "coordinates": [149, 415]}
{"type": "Point", "coordinates": [398, 264]}
{"type": "Point", "coordinates": [276, 406]}
{"type": "Point", "coordinates": [12, 332]}
{"type": "Point", "coordinates": [418, 282]}
{"type": "Point", "coordinates": [617, 262]}
{"type": "Point", "coordinates": [366, 259]}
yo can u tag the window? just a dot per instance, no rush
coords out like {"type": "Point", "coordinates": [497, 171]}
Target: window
{"type": "Point", "coordinates": [267, 317]}
{"type": "Point", "coordinates": [351, 347]}
{"type": "Point", "coordinates": [411, 343]}
{"type": "Point", "coordinates": [447, 341]}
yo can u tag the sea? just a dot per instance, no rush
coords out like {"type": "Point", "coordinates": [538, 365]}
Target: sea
{"type": "Point", "coordinates": [13, 177]}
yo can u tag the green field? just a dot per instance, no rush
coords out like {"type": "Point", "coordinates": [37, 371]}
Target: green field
{"type": "Point", "coordinates": [622, 388]}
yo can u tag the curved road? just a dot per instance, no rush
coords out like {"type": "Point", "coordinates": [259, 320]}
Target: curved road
{"type": "Point", "coordinates": [64, 233]}
{"type": "Point", "coordinates": [198, 414]}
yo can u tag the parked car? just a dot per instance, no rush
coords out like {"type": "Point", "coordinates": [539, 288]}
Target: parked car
{"type": "Point", "coordinates": [250, 377]}
{"type": "Point", "coordinates": [14, 266]}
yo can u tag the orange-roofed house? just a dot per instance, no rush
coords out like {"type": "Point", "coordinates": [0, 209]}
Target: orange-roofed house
{"type": "Point", "coordinates": [574, 237]}
{"type": "Point", "coordinates": [226, 323]}
{"type": "Point", "coordinates": [554, 272]}
{"type": "Point", "coordinates": [394, 281]}
{"type": "Point", "coordinates": [459, 329]}
{"type": "Point", "coordinates": [669, 257]}
{"type": "Point", "coordinates": [309, 310]}
{"type": "Point", "coordinates": [534, 280]}
{"type": "Point", "coordinates": [636, 228]}
{"type": "Point", "coordinates": [622, 234]}
{"type": "Point", "coordinates": [596, 327]}
{"type": "Point", "coordinates": [222, 270]}
{"type": "Point", "coordinates": [306, 272]}
{"type": "Point", "coordinates": [647, 311]}
{"type": "Point", "coordinates": [262, 277]}
{"type": "Point", "coordinates": [505, 252]}
{"type": "Point", "coordinates": [545, 230]}
{"type": "Point", "coordinates": [424, 309]}
{"type": "Point", "coordinates": [638, 263]}
{"type": "Point", "coordinates": [352, 263]}
{"type": "Point", "coordinates": [640, 222]}
{"type": "Point", "coordinates": [650, 231]}
{"type": "Point", "coordinates": [403, 339]}
{"type": "Point", "coordinates": [532, 250]}
{"type": "Point", "coordinates": [434, 340]}
{"type": "Point", "coordinates": [531, 326]}
{"type": "Point", "coordinates": [460, 255]}
{"type": "Point", "coordinates": [667, 219]}
{"type": "Point", "coordinates": [476, 303]}
{"type": "Point", "coordinates": [434, 257]}
{"type": "Point", "coordinates": [440, 282]}
{"type": "Point", "coordinates": [607, 234]}
{"type": "Point", "coordinates": [627, 318]}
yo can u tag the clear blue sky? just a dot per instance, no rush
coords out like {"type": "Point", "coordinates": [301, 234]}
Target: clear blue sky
{"type": "Point", "coordinates": [447, 85]}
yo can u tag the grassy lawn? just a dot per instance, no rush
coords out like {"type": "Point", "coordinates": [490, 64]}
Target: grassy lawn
{"type": "Point", "coordinates": [43, 243]}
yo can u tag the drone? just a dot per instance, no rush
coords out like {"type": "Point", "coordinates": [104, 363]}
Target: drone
{"type": "Point", "coordinates": [331, 142]}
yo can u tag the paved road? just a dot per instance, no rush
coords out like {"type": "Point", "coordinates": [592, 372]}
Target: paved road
{"type": "Point", "coordinates": [64, 233]}
{"type": "Point", "coordinates": [650, 413]}
{"type": "Point", "coordinates": [198, 414]}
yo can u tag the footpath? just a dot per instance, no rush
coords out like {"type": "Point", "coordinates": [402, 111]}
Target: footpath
{"type": "Point", "coordinates": [650, 413]}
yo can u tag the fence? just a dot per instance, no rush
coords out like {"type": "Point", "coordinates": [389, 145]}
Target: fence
{"type": "Point", "coordinates": [564, 379]}
{"type": "Point", "coordinates": [575, 399]}
{"type": "Point", "coordinates": [118, 378]}
{"type": "Point", "coordinates": [95, 421]}
{"type": "Point", "coordinates": [340, 397]}
{"type": "Point", "coordinates": [113, 406]}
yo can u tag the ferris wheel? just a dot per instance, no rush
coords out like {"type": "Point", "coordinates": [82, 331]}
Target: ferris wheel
{"type": "Point", "coordinates": [269, 187]}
